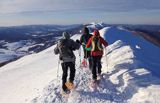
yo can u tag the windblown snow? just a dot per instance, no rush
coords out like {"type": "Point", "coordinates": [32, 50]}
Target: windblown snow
{"type": "Point", "coordinates": [130, 67]}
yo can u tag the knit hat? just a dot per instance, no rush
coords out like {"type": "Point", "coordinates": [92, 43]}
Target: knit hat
{"type": "Point", "coordinates": [85, 30]}
{"type": "Point", "coordinates": [65, 35]}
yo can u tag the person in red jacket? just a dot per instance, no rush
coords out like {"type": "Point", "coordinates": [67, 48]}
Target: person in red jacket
{"type": "Point", "coordinates": [96, 42]}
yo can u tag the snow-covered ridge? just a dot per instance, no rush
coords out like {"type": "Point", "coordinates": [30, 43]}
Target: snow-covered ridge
{"type": "Point", "coordinates": [145, 52]}
{"type": "Point", "coordinates": [127, 75]}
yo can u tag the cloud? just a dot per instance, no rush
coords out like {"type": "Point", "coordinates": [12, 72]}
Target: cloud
{"type": "Point", "coordinates": [15, 6]}
{"type": "Point", "coordinates": [22, 12]}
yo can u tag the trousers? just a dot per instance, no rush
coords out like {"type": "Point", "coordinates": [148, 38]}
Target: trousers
{"type": "Point", "coordinates": [65, 67]}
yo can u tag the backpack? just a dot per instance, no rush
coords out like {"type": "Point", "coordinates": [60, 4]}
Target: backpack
{"type": "Point", "coordinates": [65, 50]}
{"type": "Point", "coordinates": [96, 45]}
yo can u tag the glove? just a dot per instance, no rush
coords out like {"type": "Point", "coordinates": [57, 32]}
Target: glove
{"type": "Point", "coordinates": [83, 44]}
{"type": "Point", "coordinates": [78, 41]}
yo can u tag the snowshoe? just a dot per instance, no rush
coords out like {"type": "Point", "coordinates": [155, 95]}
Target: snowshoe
{"type": "Point", "coordinates": [100, 80]}
{"type": "Point", "coordinates": [93, 84]}
{"type": "Point", "coordinates": [70, 85]}
{"type": "Point", "coordinates": [84, 63]}
{"type": "Point", "coordinates": [99, 77]}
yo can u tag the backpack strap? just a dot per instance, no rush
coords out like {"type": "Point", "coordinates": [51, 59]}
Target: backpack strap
{"type": "Point", "coordinates": [96, 45]}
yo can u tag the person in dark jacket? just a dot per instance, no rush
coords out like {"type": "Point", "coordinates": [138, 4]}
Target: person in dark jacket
{"type": "Point", "coordinates": [96, 42]}
{"type": "Point", "coordinates": [83, 40]}
{"type": "Point", "coordinates": [65, 48]}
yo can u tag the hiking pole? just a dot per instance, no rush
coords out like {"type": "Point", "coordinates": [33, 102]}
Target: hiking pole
{"type": "Point", "coordinates": [106, 58]}
{"type": "Point", "coordinates": [80, 56]}
{"type": "Point", "coordinates": [58, 70]}
{"type": "Point", "coordinates": [86, 58]}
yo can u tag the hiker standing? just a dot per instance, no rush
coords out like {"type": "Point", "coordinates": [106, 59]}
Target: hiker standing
{"type": "Point", "coordinates": [87, 52]}
{"type": "Point", "coordinates": [96, 42]}
{"type": "Point", "coordinates": [65, 48]}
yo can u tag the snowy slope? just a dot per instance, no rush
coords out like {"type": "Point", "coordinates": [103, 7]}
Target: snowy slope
{"type": "Point", "coordinates": [140, 64]}
{"type": "Point", "coordinates": [129, 74]}
{"type": "Point", "coordinates": [14, 50]}
{"type": "Point", "coordinates": [145, 52]}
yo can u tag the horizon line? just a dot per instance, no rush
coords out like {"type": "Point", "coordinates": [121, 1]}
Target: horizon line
{"type": "Point", "coordinates": [78, 24]}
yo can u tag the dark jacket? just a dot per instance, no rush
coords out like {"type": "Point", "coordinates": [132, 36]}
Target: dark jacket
{"type": "Point", "coordinates": [83, 40]}
{"type": "Point", "coordinates": [85, 36]}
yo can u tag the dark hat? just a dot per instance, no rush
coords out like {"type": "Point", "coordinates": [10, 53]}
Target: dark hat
{"type": "Point", "coordinates": [85, 30]}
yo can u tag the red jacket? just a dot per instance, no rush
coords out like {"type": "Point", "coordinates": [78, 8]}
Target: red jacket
{"type": "Point", "coordinates": [102, 41]}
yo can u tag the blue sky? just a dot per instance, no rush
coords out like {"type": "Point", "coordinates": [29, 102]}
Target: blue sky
{"type": "Point", "coordinates": [26, 12]}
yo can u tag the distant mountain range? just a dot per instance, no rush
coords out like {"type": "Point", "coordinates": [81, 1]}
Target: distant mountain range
{"type": "Point", "coordinates": [149, 32]}
{"type": "Point", "coordinates": [18, 41]}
